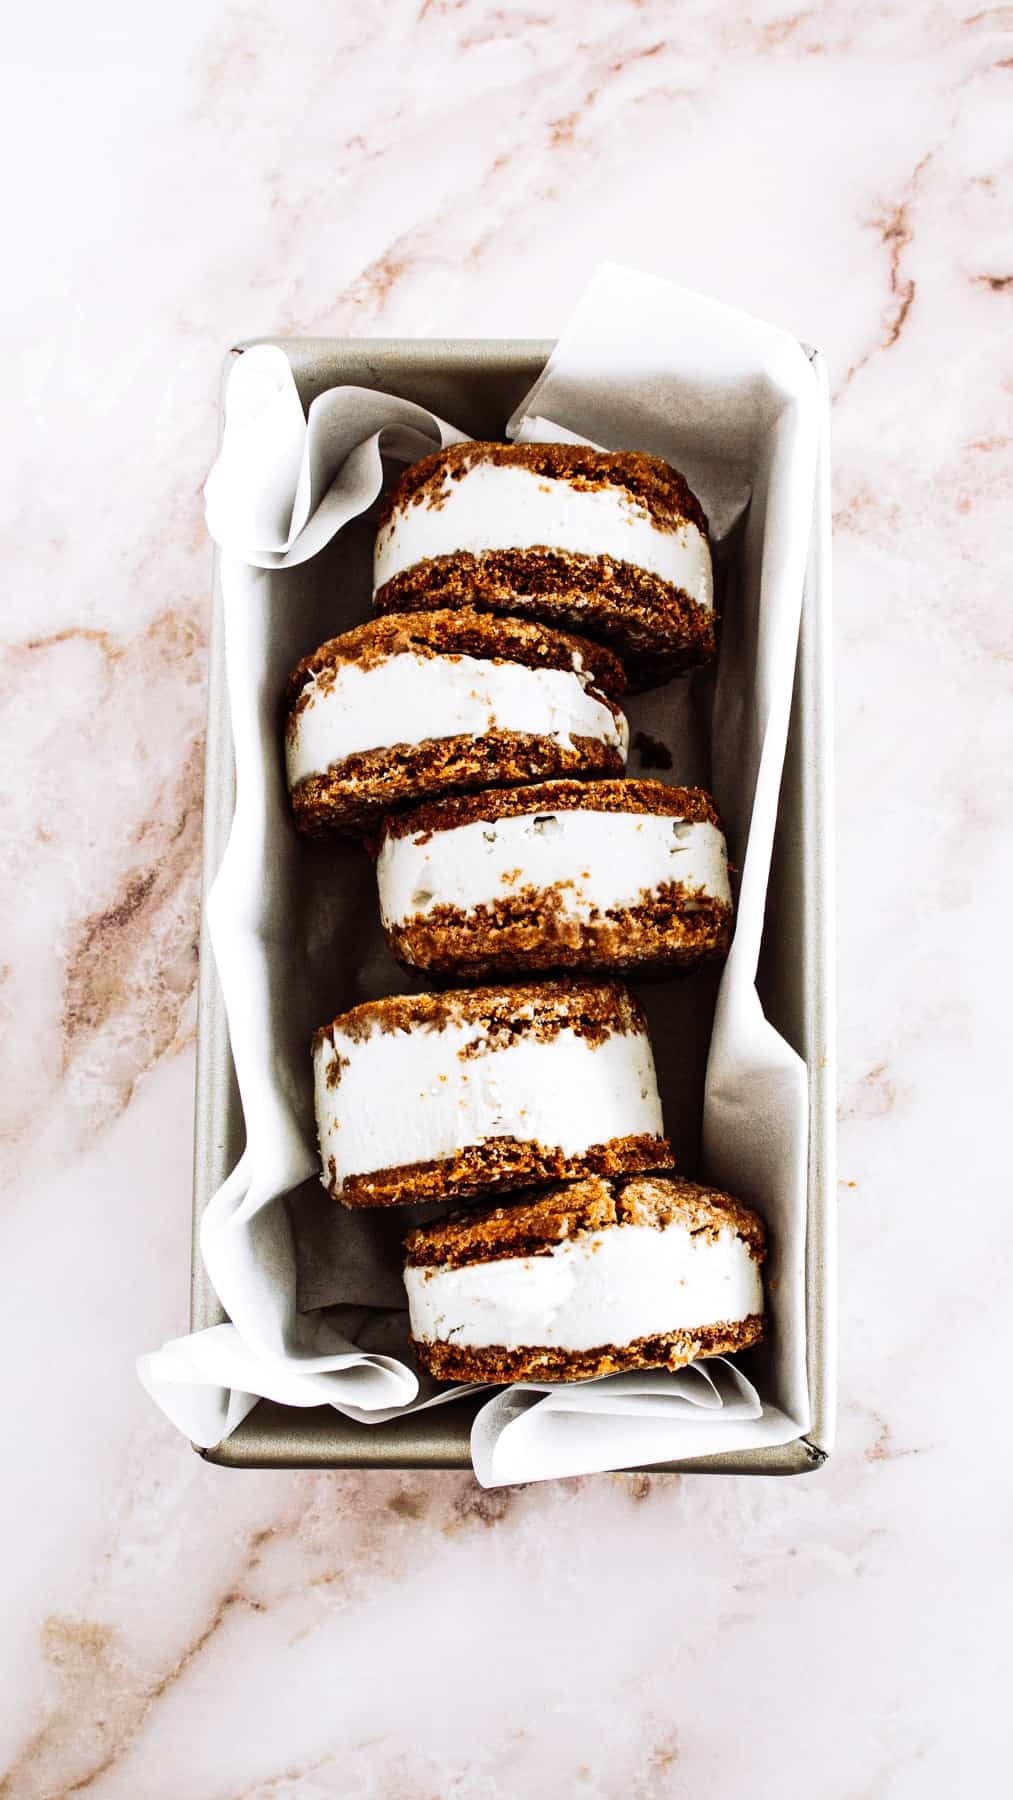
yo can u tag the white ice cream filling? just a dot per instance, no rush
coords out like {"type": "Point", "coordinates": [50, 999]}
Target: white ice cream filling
{"type": "Point", "coordinates": [604, 861]}
{"type": "Point", "coordinates": [604, 1287]}
{"type": "Point", "coordinates": [411, 1096]}
{"type": "Point", "coordinates": [409, 699]}
{"type": "Point", "coordinates": [495, 507]}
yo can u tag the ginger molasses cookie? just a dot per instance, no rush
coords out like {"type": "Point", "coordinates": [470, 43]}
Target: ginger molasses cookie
{"type": "Point", "coordinates": [611, 544]}
{"type": "Point", "coordinates": [404, 708]}
{"type": "Point", "coordinates": [628, 876]}
{"type": "Point", "coordinates": [434, 1096]}
{"type": "Point", "coordinates": [586, 1280]}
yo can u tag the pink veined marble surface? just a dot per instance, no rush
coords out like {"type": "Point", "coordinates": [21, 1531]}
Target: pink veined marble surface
{"type": "Point", "coordinates": [179, 178]}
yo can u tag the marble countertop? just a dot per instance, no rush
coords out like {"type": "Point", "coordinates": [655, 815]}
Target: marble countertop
{"type": "Point", "coordinates": [448, 167]}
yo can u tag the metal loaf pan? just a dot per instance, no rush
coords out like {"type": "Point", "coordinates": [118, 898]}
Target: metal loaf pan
{"type": "Point", "coordinates": [477, 383]}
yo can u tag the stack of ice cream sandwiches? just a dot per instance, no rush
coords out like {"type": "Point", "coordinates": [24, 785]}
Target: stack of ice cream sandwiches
{"type": "Point", "coordinates": [472, 735]}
